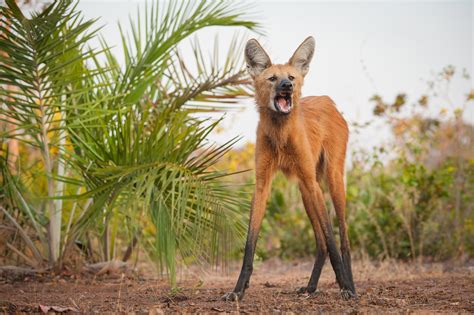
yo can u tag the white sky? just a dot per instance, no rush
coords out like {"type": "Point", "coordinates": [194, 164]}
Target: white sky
{"type": "Point", "coordinates": [362, 48]}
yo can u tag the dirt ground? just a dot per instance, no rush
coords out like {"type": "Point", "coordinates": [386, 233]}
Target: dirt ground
{"type": "Point", "coordinates": [385, 287]}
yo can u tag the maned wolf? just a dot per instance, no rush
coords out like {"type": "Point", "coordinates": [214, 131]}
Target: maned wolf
{"type": "Point", "coordinates": [306, 139]}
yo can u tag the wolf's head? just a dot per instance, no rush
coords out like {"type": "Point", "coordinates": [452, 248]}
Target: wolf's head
{"type": "Point", "coordinates": [278, 87]}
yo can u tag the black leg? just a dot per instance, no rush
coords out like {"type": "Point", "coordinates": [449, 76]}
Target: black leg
{"type": "Point", "coordinates": [245, 272]}
{"type": "Point", "coordinates": [312, 191]}
{"type": "Point", "coordinates": [256, 216]}
{"type": "Point", "coordinates": [321, 249]}
{"type": "Point", "coordinates": [338, 195]}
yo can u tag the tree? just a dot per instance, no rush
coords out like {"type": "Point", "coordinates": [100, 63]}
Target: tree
{"type": "Point", "coordinates": [118, 143]}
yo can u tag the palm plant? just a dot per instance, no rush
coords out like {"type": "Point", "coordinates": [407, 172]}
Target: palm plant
{"type": "Point", "coordinates": [119, 143]}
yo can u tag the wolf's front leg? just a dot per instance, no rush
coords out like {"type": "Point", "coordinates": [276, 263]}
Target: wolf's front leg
{"type": "Point", "coordinates": [263, 182]}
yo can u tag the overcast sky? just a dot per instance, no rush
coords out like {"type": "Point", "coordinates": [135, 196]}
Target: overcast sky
{"type": "Point", "coordinates": [362, 48]}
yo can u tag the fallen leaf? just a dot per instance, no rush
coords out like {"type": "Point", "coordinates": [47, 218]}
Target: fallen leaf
{"type": "Point", "coordinates": [269, 285]}
{"type": "Point", "coordinates": [58, 309]}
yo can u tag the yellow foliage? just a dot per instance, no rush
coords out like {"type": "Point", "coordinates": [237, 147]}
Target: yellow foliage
{"type": "Point", "coordinates": [240, 159]}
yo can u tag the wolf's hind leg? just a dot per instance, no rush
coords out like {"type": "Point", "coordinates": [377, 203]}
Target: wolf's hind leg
{"type": "Point", "coordinates": [321, 250]}
{"type": "Point", "coordinates": [336, 187]}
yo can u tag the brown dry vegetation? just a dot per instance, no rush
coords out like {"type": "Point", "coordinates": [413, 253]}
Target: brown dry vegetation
{"type": "Point", "coordinates": [385, 287]}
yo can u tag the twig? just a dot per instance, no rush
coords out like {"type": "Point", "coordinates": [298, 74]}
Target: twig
{"type": "Point", "coordinates": [74, 303]}
{"type": "Point", "coordinates": [130, 248]}
{"type": "Point", "coordinates": [19, 253]}
{"type": "Point", "coordinates": [24, 236]}
{"type": "Point", "coordinates": [237, 304]}
{"type": "Point", "coordinates": [106, 266]}
{"type": "Point", "coordinates": [120, 293]}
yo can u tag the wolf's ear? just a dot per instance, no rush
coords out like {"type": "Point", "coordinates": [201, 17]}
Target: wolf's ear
{"type": "Point", "coordinates": [303, 55]}
{"type": "Point", "coordinates": [256, 58]}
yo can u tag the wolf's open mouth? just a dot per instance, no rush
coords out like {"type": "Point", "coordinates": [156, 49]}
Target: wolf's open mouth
{"type": "Point", "coordinates": [283, 102]}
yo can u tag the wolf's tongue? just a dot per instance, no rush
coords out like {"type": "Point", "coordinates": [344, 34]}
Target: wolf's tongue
{"type": "Point", "coordinates": [283, 104]}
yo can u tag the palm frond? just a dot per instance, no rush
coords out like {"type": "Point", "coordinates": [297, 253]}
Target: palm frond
{"type": "Point", "coordinates": [13, 201]}
{"type": "Point", "coordinates": [166, 24]}
{"type": "Point", "coordinates": [44, 77]}
{"type": "Point", "coordinates": [164, 169]}
{"type": "Point", "coordinates": [205, 84]}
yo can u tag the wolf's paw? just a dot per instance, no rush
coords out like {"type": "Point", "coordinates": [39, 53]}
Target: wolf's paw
{"type": "Point", "coordinates": [233, 296]}
{"type": "Point", "coordinates": [348, 294]}
{"type": "Point", "coordinates": [308, 290]}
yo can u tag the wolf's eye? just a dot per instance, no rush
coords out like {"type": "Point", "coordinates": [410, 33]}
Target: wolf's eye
{"type": "Point", "coordinates": [272, 78]}
{"type": "Point", "coordinates": [291, 78]}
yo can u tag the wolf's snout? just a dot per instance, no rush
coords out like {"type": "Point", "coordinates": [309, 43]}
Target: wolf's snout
{"type": "Point", "coordinates": [283, 101]}
{"type": "Point", "coordinates": [285, 85]}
